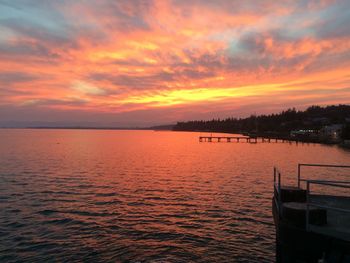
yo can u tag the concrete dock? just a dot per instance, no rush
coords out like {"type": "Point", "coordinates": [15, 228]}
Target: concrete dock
{"type": "Point", "coordinates": [311, 227]}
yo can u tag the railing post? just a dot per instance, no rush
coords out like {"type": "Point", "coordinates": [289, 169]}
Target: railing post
{"type": "Point", "coordinates": [299, 175]}
{"type": "Point", "coordinates": [307, 206]}
{"type": "Point", "coordinates": [279, 181]}
{"type": "Point", "coordinates": [279, 194]}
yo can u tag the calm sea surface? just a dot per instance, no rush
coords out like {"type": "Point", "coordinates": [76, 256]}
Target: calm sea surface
{"type": "Point", "coordinates": [141, 196]}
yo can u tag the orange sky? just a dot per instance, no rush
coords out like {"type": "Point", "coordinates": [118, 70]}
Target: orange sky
{"type": "Point", "coordinates": [139, 63]}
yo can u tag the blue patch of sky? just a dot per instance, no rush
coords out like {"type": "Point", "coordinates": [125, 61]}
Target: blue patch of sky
{"type": "Point", "coordinates": [35, 14]}
{"type": "Point", "coordinates": [321, 23]}
{"type": "Point", "coordinates": [6, 34]}
{"type": "Point", "coordinates": [336, 21]}
{"type": "Point", "coordinates": [297, 25]}
{"type": "Point", "coordinates": [235, 47]}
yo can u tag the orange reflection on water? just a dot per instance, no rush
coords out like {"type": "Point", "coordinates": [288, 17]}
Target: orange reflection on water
{"type": "Point", "coordinates": [132, 195]}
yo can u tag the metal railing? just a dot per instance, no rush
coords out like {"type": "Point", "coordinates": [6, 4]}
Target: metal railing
{"type": "Point", "coordinates": [342, 184]}
{"type": "Point", "coordinates": [277, 188]}
{"type": "Point", "coordinates": [309, 182]}
{"type": "Point", "coordinates": [316, 165]}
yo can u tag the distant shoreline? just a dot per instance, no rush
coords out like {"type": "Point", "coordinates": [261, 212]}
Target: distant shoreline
{"type": "Point", "coordinates": [86, 128]}
{"type": "Point", "coordinates": [72, 128]}
{"type": "Point", "coordinates": [340, 144]}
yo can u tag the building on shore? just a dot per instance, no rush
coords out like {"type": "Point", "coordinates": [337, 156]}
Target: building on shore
{"type": "Point", "coordinates": [304, 134]}
{"type": "Point", "coordinates": [331, 133]}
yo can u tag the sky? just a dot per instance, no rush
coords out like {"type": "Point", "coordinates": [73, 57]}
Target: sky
{"type": "Point", "coordinates": [141, 63]}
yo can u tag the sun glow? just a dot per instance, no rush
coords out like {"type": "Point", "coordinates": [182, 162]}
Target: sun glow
{"type": "Point", "coordinates": [120, 58]}
{"type": "Point", "coordinates": [184, 96]}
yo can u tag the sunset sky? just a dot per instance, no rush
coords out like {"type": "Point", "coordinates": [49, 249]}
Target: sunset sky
{"type": "Point", "coordinates": [139, 63]}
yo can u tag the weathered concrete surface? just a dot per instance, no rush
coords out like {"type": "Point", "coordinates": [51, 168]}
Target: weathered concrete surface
{"type": "Point", "coordinates": [295, 213]}
{"type": "Point", "coordinates": [329, 241]}
{"type": "Point", "coordinates": [292, 194]}
{"type": "Point", "coordinates": [338, 223]}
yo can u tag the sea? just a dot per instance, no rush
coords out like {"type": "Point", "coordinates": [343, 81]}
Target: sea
{"type": "Point", "coordinates": [143, 196]}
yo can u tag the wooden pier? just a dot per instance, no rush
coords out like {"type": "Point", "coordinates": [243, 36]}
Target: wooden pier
{"type": "Point", "coordinates": [246, 139]}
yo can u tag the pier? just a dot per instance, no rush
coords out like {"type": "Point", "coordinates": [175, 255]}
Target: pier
{"type": "Point", "coordinates": [312, 227]}
{"type": "Point", "coordinates": [246, 139]}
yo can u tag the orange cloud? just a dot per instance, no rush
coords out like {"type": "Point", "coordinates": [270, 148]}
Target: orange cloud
{"type": "Point", "coordinates": [126, 56]}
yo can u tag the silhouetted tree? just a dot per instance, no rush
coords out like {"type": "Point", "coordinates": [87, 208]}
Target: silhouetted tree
{"type": "Point", "coordinates": [313, 117]}
{"type": "Point", "coordinates": [346, 132]}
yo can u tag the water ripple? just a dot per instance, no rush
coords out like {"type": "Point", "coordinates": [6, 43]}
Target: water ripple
{"type": "Point", "coordinates": [122, 196]}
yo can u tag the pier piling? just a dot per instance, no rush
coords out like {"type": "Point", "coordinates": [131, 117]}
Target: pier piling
{"type": "Point", "coordinates": [246, 139]}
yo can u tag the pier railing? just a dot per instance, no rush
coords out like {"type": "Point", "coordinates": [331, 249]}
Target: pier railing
{"type": "Point", "coordinates": [300, 165]}
{"type": "Point", "coordinates": [309, 202]}
{"type": "Point", "coordinates": [277, 188]}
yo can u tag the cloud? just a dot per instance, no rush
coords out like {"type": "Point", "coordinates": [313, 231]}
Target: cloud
{"type": "Point", "coordinates": [176, 56]}
{"type": "Point", "coordinates": [87, 88]}
{"type": "Point", "coordinates": [8, 78]}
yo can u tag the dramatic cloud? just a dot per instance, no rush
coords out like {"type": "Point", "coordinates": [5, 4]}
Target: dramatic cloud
{"type": "Point", "coordinates": [147, 62]}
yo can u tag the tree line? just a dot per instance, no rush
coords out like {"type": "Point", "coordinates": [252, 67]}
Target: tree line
{"type": "Point", "coordinates": [313, 118]}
